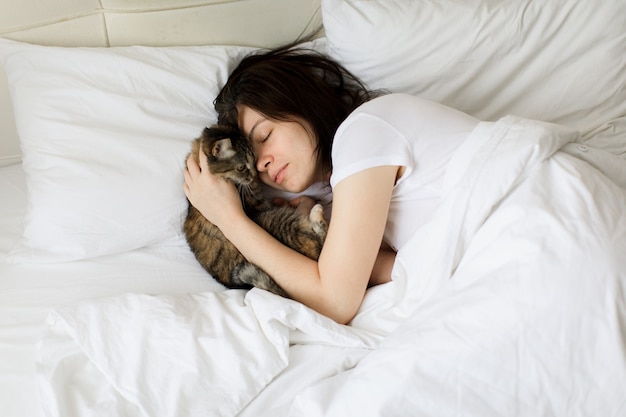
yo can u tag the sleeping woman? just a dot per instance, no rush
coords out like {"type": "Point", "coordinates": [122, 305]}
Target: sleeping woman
{"type": "Point", "coordinates": [309, 120]}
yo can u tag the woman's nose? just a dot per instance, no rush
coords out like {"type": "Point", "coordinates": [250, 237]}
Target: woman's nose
{"type": "Point", "coordinates": [263, 163]}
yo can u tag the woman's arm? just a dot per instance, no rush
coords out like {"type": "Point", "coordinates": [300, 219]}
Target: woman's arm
{"type": "Point", "coordinates": [381, 273]}
{"type": "Point", "coordinates": [336, 284]}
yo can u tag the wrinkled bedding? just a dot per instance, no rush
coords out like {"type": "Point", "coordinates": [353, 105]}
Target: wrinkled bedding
{"type": "Point", "coordinates": [509, 301]}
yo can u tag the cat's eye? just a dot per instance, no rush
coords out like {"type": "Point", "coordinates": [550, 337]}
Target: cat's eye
{"type": "Point", "coordinates": [241, 168]}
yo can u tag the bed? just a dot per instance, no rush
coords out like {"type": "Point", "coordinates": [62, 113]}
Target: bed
{"type": "Point", "coordinates": [509, 301]}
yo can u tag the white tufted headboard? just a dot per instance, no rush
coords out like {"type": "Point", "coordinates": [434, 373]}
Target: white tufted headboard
{"type": "Point", "coordinates": [262, 23]}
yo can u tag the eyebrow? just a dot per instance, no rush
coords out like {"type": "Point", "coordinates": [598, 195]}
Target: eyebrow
{"type": "Point", "coordinates": [258, 122]}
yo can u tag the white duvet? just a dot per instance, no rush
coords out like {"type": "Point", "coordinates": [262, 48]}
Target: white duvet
{"type": "Point", "coordinates": [510, 301]}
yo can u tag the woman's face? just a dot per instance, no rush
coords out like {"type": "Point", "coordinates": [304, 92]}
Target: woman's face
{"type": "Point", "coordinates": [285, 151]}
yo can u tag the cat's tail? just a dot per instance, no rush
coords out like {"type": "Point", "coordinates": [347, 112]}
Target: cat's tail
{"type": "Point", "coordinates": [245, 274]}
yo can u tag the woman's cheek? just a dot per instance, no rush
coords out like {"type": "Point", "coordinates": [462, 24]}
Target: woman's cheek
{"type": "Point", "coordinates": [265, 178]}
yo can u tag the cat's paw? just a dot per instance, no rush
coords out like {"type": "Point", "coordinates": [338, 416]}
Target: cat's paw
{"type": "Point", "coordinates": [316, 215]}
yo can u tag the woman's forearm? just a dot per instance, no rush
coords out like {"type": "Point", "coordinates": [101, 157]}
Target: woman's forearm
{"type": "Point", "coordinates": [298, 275]}
{"type": "Point", "coordinates": [334, 285]}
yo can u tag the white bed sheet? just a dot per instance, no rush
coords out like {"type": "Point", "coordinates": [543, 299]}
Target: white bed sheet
{"type": "Point", "coordinates": [509, 301]}
{"type": "Point", "coordinates": [28, 293]}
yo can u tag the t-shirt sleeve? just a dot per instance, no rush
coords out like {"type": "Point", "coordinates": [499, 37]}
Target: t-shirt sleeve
{"type": "Point", "coordinates": [365, 141]}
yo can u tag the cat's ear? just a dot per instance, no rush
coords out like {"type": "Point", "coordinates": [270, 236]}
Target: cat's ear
{"type": "Point", "coordinates": [223, 149]}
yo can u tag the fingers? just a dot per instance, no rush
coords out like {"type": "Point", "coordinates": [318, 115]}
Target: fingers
{"type": "Point", "coordinates": [204, 163]}
{"type": "Point", "coordinates": [280, 201]}
{"type": "Point", "coordinates": [193, 169]}
{"type": "Point", "coordinates": [296, 201]}
{"type": "Point", "coordinates": [302, 201]}
{"type": "Point", "coordinates": [197, 174]}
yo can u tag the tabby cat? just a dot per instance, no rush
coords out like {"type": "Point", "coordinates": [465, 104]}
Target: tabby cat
{"type": "Point", "coordinates": [230, 156]}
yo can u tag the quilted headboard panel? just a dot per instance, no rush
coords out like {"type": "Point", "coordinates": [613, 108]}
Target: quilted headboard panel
{"type": "Point", "coordinates": [262, 23]}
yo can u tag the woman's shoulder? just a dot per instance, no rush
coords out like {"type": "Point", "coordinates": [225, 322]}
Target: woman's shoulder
{"type": "Point", "coordinates": [411, 112]}
{"type": "Point", "coordinates": [400, 107]}
{"type": "Point", "coordinates": [395, 99]}
{"type": "Point", "coordinates": [394, 111]}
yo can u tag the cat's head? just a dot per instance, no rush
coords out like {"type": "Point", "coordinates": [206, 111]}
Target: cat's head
{"type": "Point", "coordinates": [229, 154]}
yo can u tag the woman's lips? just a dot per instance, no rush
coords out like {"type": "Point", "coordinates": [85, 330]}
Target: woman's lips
{"type": "Point", "coordinates": [280, 175]}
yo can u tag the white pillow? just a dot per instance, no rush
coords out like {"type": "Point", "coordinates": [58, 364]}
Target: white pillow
{"type": "Point", "coordinates": [104, 134]}
{"type": "Point", "coordinates": [559, 61]}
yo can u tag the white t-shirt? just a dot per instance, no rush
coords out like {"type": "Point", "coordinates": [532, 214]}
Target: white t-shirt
{"type": "Point", "coordinates": [402, 130]}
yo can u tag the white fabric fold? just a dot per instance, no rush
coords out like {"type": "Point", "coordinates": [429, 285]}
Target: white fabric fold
{"type": "Point", "coordinates": [190, 354]}
{"type": "Point", "coordinates": [509, 297]}
{"type": "Point", "coordinates": [193, 354]}
{"type": "Point", "coordinates": [510, 300]}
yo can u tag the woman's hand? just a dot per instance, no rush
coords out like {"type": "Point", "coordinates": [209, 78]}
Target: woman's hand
{"type": "Point", "coordinates": [217, 199]}
{"type": "Point", "coordinates": [303, 204]}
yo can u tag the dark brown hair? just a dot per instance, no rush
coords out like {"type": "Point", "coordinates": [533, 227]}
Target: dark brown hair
{"type": "Point", "coordinates": [288, 84]}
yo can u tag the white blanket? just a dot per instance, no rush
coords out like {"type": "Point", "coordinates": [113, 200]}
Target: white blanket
{"type": "Point", "coordinates": [510, 301]}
